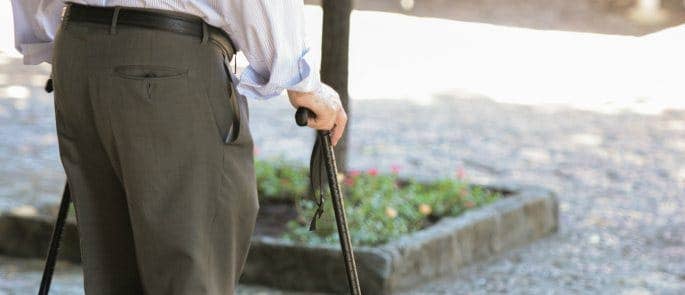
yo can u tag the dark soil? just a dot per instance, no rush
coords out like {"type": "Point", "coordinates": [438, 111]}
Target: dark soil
{"type": "Point", "coordinates": [273, 216]}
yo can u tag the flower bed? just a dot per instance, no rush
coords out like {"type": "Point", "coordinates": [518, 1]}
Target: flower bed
{"type": "Point", "coordinates": [379, 207]}
{"type": "Point", "coordinates": [403, 232]}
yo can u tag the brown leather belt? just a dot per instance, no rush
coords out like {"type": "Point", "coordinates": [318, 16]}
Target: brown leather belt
{"type": "Point", "coordinates": [177, 22]}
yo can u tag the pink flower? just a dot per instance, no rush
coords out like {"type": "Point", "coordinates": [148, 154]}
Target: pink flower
{"type": "Point", "coordinates": [354, 173]}
{"type": "Point", "coordinates": [461, 174]}
{"type": "Point", "coordinates": [351, 177]}
{"type": "Point", "coordinates": [349, 181]}
{"type": "Point", "coordinates": [395, 168]}
{"type": "Point", "coordinates": [256, 151]}
{"type": "Point", "coordinates": [372, 171]}
{"type": "Point", "coordinates": [463, 192]}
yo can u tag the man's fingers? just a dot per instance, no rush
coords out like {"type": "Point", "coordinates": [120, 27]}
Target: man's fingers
{"type": "Point", "coordinates": [313, 123]}
{"type": "Point", "coordinates": [319, 124]}
{"type": "Point", "coordinates": [339, 129]}
{"type": "Point", "coordinates": [335, 123]}
{"type": "Point", "coordinates": [335, 135]}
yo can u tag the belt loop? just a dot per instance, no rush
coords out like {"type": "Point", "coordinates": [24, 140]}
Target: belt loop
{"type": "Point", "coordinates": [205, 33]}
{"type": "Point", "coordinates": [115, 16]}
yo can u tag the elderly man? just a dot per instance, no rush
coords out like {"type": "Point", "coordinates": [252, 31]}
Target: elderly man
{"type": "Point", "coordinates": [153, 128]}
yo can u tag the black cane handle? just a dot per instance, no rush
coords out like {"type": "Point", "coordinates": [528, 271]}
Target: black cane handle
{"type": "Point", "coordinates": [302, 116]}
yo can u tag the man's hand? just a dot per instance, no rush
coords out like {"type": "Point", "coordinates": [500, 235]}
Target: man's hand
{"type": "Point", "coordinates": [325, 104]}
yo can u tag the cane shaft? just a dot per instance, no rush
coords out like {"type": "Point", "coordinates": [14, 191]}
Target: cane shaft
{"type": "Point", "coordinates": [54, 242]}
{"type": "Point", "coordinates": [340, 217]}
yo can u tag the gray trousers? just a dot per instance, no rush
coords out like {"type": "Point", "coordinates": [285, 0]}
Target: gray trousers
{"type": "Point", "coordinates": [164, 205]}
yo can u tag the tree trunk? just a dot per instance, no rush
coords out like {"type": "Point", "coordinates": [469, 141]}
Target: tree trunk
{"type": "Point", "coordinates": [334, 60]}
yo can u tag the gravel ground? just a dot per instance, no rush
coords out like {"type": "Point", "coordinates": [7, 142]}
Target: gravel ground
{"type": "Point", "coordinates": [22, 276]}
{"type": "Point", "coordinates": [620, 180]}
{"type": "Point", "coordinates": [601, 16]}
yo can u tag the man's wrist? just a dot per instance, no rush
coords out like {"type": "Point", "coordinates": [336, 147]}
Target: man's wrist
{"type": "Point", "coordinates": [323, 94]}
{"type": "Point", "coordinates": [296, 96]}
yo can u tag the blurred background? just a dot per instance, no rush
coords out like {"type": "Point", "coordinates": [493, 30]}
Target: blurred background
{"type": "Point", "coordinates": [583, 97]}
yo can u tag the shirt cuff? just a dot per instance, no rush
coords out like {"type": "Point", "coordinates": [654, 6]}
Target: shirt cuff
{"type": "Point", "coordinates": [256, 86]}
{"type": "Point", "coordinates": [35, 53]}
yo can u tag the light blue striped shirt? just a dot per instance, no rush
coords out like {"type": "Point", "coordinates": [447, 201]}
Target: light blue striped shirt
{"type": "Point", "coordinates": [270, 33]}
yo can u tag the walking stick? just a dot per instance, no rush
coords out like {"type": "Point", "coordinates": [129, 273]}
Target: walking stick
{"type": "Point", "coordinates": [324, 138]}
{"type": "Point", "coordinates": [54, 242]}
{"type": "Point", "coordinates": [51, 260]}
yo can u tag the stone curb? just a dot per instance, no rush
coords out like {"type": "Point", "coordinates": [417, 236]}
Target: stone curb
{"type": "Point", "coordinates": [29, 236]}
{"type": "Point", "coordinates": [527, 214]}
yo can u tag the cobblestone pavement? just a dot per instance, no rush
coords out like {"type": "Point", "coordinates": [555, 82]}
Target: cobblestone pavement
{"type": "Point", "coordinates": [620, 180]}
{"type": "Point", "coordinates": [22, 276]}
